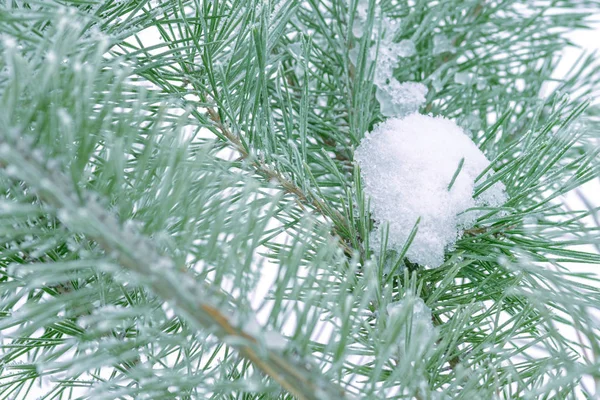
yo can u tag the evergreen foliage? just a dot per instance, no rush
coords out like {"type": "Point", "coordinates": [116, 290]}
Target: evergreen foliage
{"type": "Point", "coordinates": [182, 217]}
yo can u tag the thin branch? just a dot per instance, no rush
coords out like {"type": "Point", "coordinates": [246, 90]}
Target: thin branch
{"type": "Point", "coordinates": [303, 199]}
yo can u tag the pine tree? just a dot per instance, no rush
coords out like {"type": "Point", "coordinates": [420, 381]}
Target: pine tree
{"type": "Point", "coordinates": [183, 216]}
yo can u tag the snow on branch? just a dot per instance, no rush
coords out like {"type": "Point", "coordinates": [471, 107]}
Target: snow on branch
{"type": "Point", "coordinates": [423, 167]}
{"type": "Point", "coordinates": [396, 99]}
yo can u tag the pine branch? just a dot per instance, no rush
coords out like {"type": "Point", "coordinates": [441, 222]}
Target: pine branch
{"type": "Point", "coordinates": [303, 199]}
{"type": "Point", "coordinates": [161, 275]}
{"type": "Point", "coordinates": [133, 199]}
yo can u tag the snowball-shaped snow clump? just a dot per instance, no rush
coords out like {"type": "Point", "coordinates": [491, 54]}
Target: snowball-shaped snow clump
{"type": "Point", "coordinates": [423, 167]}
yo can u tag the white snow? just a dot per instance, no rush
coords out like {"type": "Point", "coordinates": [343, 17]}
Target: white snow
{"type": "Point", "coordinates": [407, 166]}
{"type": "Point", "coordinates": [417, 316]}
{"type": "Point", "coordinates": [396, 99]}
{"type": "Point", "coordinates": [361, 17]}
{"type": "Point", "coordinates": [400, 99]}
{"type": "Point", "coordinates": [247, 322]}
{"type": "Point", "coordinates": [441, 44]}
{"type": "Point", "coordinates": [462, 78]}
{"type": "Point", "coordinates": [275, 341]}
{"type": "Point", "coordinates": [9, 43]}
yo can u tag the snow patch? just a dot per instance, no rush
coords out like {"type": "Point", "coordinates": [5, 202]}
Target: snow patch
{"type": "Point", "coordinates": [417, 316]}
{"type": "Point", "coordinates": [275, 341]}
{"type": "Point", "coordinates": [462, 78]}
{"type": "Point", "coordinates": [423, 167]}
{"type": "Point", "coordinates": [400, 99]}
{"type": "Point", "coordinates": [396, 99]}
{"type": "Point", "coordinates": [441, 44]}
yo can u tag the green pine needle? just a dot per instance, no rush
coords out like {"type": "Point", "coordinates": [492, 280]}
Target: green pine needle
{"type": "Point", "coordinates": [182, 216]}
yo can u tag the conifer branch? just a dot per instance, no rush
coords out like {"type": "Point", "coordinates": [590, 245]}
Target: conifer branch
{"type": "Point", "coordinates": [197, 301]}
{"type": "Point", "coordinates": [127, 262]}
{"type": "Point", "coordinates": [303, 199]}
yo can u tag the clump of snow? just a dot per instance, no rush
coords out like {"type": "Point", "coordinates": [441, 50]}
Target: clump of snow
{"type": "Point", "coordinates": [9, 43]}
{"type": "Point", "coordinates": [361, 16]}
{"type": "Point", "coordinates": [441, 44]}
{"type": "Point", "coordinates": [423, 167]}
{"type": "Point", "coordinates": [481, 83]}
{"type": "Point", "coordinates": [416, 316]}
{"type": "Point", "coordinates": [406, 48]}
{"type": "Point", "coordinates": [462, 78]}
{"type": "Point", "coordinates": [396, 99]}
{"type": "Point", "coordinates": [400, 99]}
{"type": "Point", "coordinates": [390, 52]}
